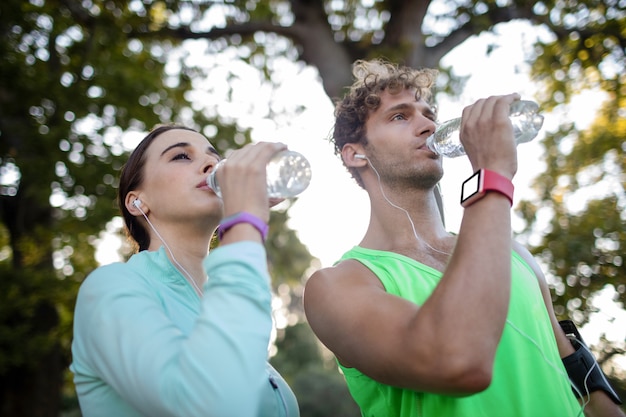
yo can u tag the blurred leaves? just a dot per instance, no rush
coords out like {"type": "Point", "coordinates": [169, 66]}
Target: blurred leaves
{"type": "Point", "coordinates": [79, 78]}
{"type": "Point", "coordinates": [319, 387]}
{"type": "Point", "coordinates": [583, 193]}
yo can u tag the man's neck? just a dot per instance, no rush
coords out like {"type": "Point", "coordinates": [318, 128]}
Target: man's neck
{"type": "Point", "coordinates": [409, 224]}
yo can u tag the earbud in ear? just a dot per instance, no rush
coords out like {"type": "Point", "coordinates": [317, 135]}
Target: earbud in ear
{"type": "Point", "coordinates": [359, 156]}
{"type": "Point", "coordinates": [137, 203]}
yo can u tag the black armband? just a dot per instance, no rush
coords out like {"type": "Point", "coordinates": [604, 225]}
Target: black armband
{"type": "Point", "coordinates": [583, 369]}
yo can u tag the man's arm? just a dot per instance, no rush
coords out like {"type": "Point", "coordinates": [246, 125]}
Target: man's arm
{"type": "Point", "coordinates": [446, 345]}
{"type": "Point", "coordinates": [598, 403]}
{"type": "Point", "coordinates": [388, 338]}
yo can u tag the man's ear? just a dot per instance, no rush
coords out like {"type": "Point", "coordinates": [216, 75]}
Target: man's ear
{"type": "Point", "coordinates": [353, 155]}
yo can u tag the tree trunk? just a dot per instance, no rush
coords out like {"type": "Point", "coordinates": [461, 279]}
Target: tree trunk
{"type": "Point", "coordinates": [33, 389]}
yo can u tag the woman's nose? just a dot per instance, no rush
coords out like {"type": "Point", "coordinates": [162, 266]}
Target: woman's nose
{"type": "Point", "coordinates": [209, 163]}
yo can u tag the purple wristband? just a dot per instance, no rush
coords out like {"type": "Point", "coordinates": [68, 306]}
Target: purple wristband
{"type": "Point", "coordinates": [243, 217]}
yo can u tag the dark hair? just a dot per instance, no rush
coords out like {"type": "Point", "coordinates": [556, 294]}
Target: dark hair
{"type": "Point", "coordinates": [132, 177]}
{"type": "Point", "coordinates": [372, 78]}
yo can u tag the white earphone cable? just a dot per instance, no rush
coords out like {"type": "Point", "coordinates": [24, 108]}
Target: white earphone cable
{"type": "Point", "coordinates": [188, 275]}
{"type": "Point", "coordinates": [408, 216]}
{"type": "Point", "coordinates": [559, 371]}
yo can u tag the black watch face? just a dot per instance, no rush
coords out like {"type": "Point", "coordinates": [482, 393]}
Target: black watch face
{"type": "Point", "coordinates": [470, 186]}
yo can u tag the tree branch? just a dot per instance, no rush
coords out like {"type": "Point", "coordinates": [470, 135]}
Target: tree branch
{"type": "Point", "coordinates": [476, 26]}
{"type": "Point", "coordinates": [404, 30]}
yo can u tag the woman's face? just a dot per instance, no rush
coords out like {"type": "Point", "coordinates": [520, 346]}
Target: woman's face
{"type": "Point", "coordinates": [177, 164]}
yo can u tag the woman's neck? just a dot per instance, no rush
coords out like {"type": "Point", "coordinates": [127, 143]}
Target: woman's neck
{"type": "Point", "coordinates": [186, 249]}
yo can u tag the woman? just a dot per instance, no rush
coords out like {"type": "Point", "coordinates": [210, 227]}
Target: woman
{"type": "Point", "coordinates": [155, 337]}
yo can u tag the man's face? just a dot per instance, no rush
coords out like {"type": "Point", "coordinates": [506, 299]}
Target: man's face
{"type": "Point", "coordinates": [396, 139]}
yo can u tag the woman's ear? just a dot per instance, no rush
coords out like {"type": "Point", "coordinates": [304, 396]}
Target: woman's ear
{"type": "Point", "coordinates": [353, 156]}
{"type": "Point", "coordinates": [134, 205]}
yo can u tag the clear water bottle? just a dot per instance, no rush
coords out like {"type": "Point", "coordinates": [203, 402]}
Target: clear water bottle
{"type": "Point", "coordinates": [288, 174]}
{"type": "Point", "coordinates": [526, 125]}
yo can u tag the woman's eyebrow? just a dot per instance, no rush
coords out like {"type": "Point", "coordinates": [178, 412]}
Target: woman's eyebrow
{"type": "Point", "coordinates": [176, 145]}
{"type": "Point", "coordinates": [209, 149]}
{"type": "Point", "coordinates": [214, 151]}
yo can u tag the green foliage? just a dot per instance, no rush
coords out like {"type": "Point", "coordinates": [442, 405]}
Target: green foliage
{"type": "Point", "coordinates": [582, 247]}
{"type": "Point", "coordinates": [582, 253]}
{"type": "Point", "coordinates": [585, 49]}
{"type": "Point", "coordinates": [77, 76]}
{"type": "Point", "coordinates": [318, 385]}
{"type": "Point", "coordinates": [297, 350]}
{"type": "Point", "coordinates": [288, 258]}
{"type": "Point", "coordinates": [34, 316]}
{"type": "Point", "coordinates": [323, 394]}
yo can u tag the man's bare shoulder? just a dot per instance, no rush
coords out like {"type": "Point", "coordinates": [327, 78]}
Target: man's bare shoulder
{"type": "Point", "coordinates": [344, 274]}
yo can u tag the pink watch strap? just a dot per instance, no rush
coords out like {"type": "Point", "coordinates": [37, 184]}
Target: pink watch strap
{"type": "Point", "coordinates": [483, 181]}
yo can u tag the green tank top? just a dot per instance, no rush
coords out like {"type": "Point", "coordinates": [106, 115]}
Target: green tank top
{"type": "Point", "coordinates": [529, 379]}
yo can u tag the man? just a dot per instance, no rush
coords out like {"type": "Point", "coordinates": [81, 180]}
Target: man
{"type": "Point", "coordinates": [422, 322]}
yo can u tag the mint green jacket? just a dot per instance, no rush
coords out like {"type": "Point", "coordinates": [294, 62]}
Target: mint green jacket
{"type": "Point", "coordinates": [146, 345]}
{"type": "Point", "coordinates": [529, 379]}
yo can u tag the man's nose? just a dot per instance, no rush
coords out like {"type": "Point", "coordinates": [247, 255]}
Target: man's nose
{"type": "Point", "coordinates": [424, 126]}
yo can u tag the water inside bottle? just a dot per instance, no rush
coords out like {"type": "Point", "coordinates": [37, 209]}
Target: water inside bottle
{"type": "Point", "coordinates": [526, 120]}
{"type": "Point", "coordinates": [288, 174]}
{"type": "Point", "coordinates": [446, 140]}
{"type": "Point", "coordinates": [524, 117]}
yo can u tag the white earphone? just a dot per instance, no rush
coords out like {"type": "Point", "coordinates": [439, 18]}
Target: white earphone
{"type": "Point", "coordinates": [189, 277]}
{"type": "Point", "coordinates": [359, 156]}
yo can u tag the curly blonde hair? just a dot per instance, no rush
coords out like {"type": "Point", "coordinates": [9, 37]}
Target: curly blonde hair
{"type": "Point", "coordinates": [371, 79]}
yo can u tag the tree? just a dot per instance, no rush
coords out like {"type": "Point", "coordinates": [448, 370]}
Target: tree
{"type": "Point", "coordinates": [77, 77]}
{"type": "Point", "coordinates": [582, 246]}
{"type": "Point", "coordinates": [57, 179]}
{"type": "Point", "coordinates": [316, 382]}
{"type": "Point", "coordinates": [72, 84]}
{"type": "Point", "coordinates": [582, 190]}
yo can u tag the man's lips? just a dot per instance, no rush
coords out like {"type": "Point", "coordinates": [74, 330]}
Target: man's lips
{"type": "Point", "coordinates": [423, 147]}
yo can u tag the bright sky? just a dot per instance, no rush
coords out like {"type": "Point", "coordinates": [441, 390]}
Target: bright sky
{"type": "Point", "coordinates": [332, 215]}
{"type": "Point", "coordinates": [334, 206]}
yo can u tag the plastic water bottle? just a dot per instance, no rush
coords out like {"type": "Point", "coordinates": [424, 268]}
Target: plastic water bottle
{"type": "Point", "coordinates": [288, 174]}
{"type": "Point", "coordinates": [526, 125]}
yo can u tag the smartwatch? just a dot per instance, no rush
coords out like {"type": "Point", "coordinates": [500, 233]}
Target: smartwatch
{"type": "Point", "coordinates": [243, 217]}
{"type": "Point", "coordinates": [475, 187]}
